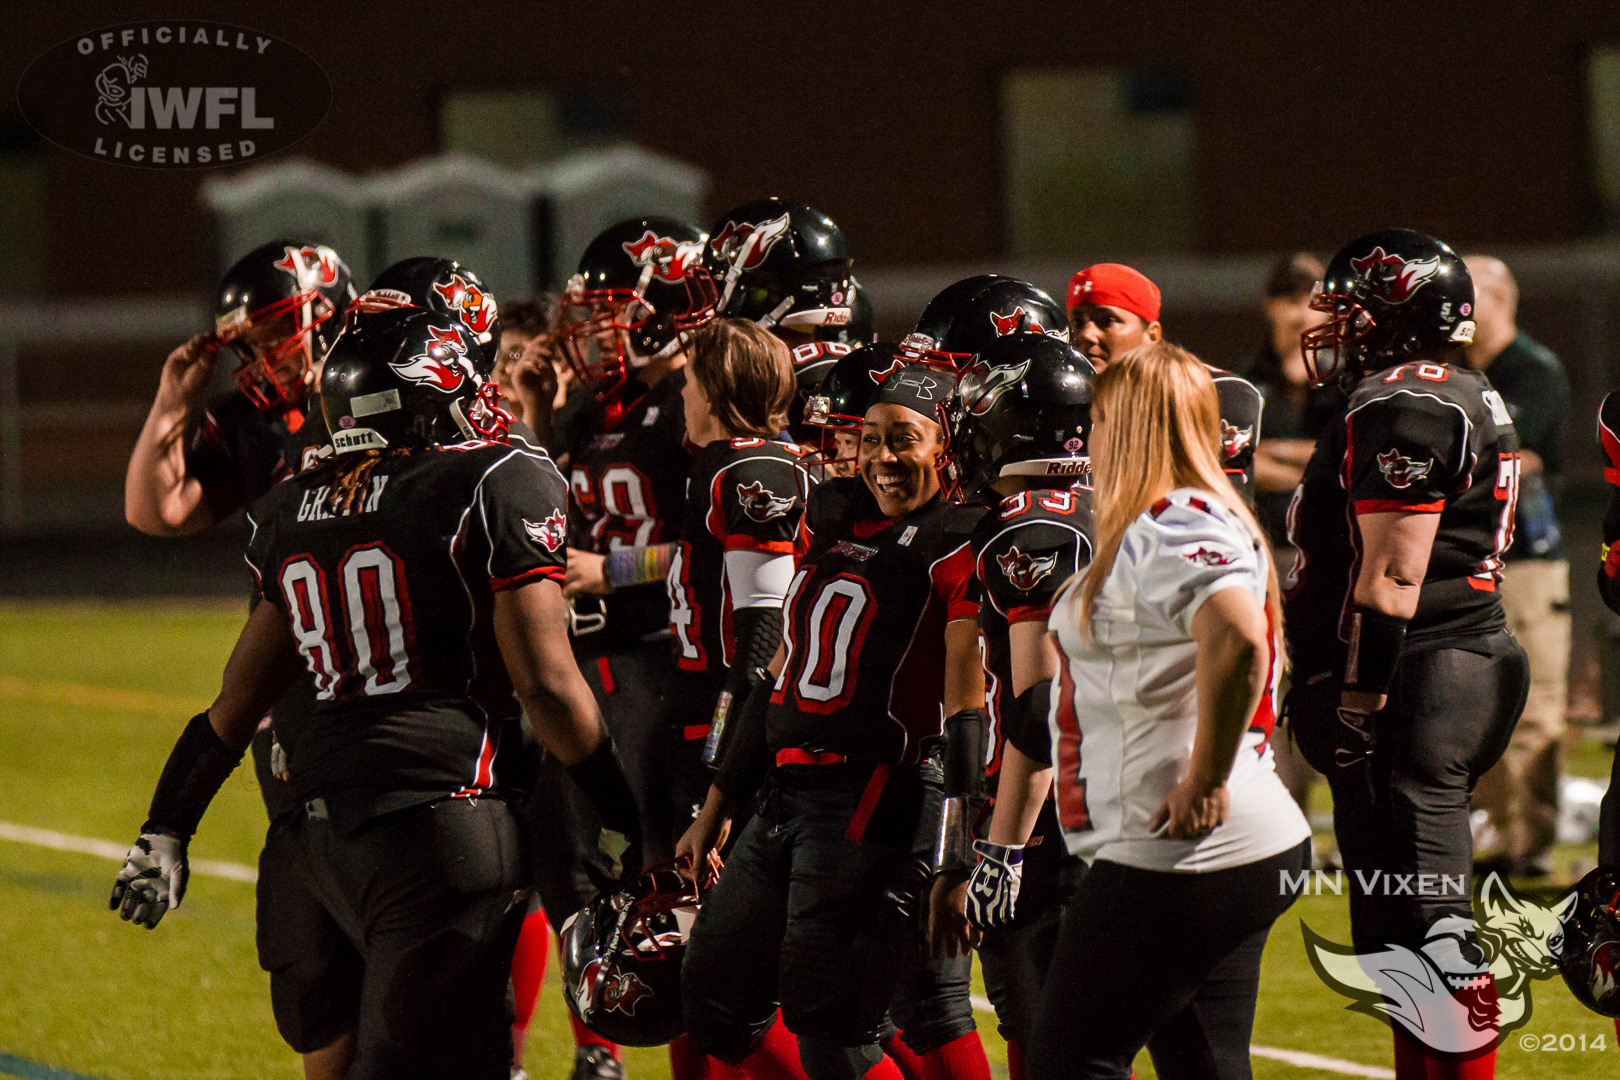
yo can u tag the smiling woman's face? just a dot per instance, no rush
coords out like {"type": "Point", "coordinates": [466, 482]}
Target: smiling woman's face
{"type": "Point", "coordinates": [896, 459]}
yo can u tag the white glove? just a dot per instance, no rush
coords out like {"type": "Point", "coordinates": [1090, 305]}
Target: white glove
{"type": "Point", "coordinates": [152, 880]}
{"type": "Point", "coordinates": [993, 889]}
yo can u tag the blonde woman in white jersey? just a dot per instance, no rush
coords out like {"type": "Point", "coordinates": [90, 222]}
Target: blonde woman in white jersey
{"type": "Point", "coordinates": [1169, 647]}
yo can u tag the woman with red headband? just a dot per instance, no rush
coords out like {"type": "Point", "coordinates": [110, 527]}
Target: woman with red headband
{"type": "Point", "coordinates": [1114, 308]}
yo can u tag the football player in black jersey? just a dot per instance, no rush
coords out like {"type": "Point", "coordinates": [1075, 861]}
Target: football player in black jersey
{"type": "Point", "coordinates": [1018, 433]}
{"type": "Point", "coordinates": [1113, 308]}
{"type": "Point", "coordinates": [967, 315]}
{"type": "Point", "coordinates": [787, 267]}
{"type": "Point", "coordinates": [838, 407]}
{"type": "Point", "coordinates": [818, 903]}
{"type": "Point", "coordinates": [745, 497]}
{"type": "Point", "coordinates": [277, 311]}
{"type": "Point", "coordinates": [1406, 682]}
{"type": "Point", "coordinates": [417, 573]}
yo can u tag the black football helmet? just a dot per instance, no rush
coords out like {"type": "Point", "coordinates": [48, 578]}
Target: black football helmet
{"type": "Point", "coordinates": [840, 402]}
{"type": "Point", "coordinates": [811, 362]}
{"type": "Point", "coordinates": [622, 958]}
{"type": "Point", "coordinates": [1389, 295]}
{"type": "Point", "coordinates": [447, 287]}
{"type": "Point", "coordinates": [862, 328]}
{"type": "Point", "coordinates": [1022, 408]}
{"type": "Point", "coordinates": [406, 378]}
{"type": "Point", "coordinates": [641, 285]}
{"type": "Point", "coordinates": [1587, 947]}
{"type": "Point", "coordinates": [967, 316]}
{"type": "Point", "coordinates": [783, 265]}
{"type": "Point", "coordinates": [303, 286]}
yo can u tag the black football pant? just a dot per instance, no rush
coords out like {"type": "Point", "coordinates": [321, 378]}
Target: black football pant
{"type": "Point", "coordinates": [1170, 961]}
{"type": "Point", "coordinates": [1015, 958]}
{"type": "Point", "coordinates": [429, 901]}
{"type": "Point", "coordinates": [1401, 798]}
{"type": "Point", "coordinates": [636, 687]}
{"type": "Point", "coordinates": [933, 1000]}
{"type": "Point", "coordinates": [801, 916]}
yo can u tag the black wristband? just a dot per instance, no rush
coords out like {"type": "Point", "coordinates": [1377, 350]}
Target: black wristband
{"type": "Point", "coordinates": [1027, 727]}
{"type": "Point", "coordinates": [601, 778]}
{"type": "Point", "coordinates": [746, 758]}
{"type": "Point", "coordinates": [965, 735]}
{"type": "Point", "coordinates": [197, 767]}
{"type": "Point", "coordinates": [1376, 640]}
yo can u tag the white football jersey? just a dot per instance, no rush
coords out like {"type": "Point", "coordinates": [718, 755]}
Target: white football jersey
{"type": "Point", "coordinates": [1125, 709]}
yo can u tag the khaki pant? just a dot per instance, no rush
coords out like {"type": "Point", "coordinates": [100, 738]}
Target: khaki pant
{"type": "Point", "coordinates": [1521, 792]}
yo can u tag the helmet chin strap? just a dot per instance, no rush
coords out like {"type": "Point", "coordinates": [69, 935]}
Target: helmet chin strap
{"type": "Point", "coordinates": [460, 417]}
{"type": "Point", "coordinates": [734, 271]}
{"type": "Point", "coordinates": [776, 313]}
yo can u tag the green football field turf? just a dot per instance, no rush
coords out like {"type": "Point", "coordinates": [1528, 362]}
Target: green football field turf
{"type": "Point", "coordinates": [91, 699]}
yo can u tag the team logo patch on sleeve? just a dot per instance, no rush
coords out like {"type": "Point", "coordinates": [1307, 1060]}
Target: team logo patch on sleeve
{"type": "Point", "coordinates": [1401, 471]}
{"type": "Point", "coordinates": [1234, 439]}
{"type": "Point", "coordinates": [548, 533]}
{"type": "Point", "coordinates": [1025, 571]}
{"type": "Point", "coordinates": [761, 504]}
{"type": "Point", "coordinates": [1207, 556]}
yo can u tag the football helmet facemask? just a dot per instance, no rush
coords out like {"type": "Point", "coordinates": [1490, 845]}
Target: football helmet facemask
{"type": "Point", "coordinates": [641, 285]}
{"type": "Point", "coordinates": [277, 312]}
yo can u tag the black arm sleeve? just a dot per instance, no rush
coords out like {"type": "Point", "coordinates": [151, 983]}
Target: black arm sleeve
{"type": "Point", "coordinates": [759, 635]}
{"type": "Point", "coordinates": [1026, 727]}
{"type": "Point", "coordinates": [601, 778]}
{"type": "Point", "coordinates": [197, 767]}
{"type": "Point", "coordinates": [747, 756]}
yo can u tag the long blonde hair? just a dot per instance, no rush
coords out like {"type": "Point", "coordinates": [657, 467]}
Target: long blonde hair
{"type": "Point", "coordinates": [1163, 432]}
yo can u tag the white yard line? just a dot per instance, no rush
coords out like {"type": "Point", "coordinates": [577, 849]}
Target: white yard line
{"type": "Point", "coordinates": [1291, 1057]}
{"type": "Point", "coordinates": [24, 834]}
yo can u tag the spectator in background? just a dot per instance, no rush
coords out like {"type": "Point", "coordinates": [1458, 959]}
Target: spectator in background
{"type": "Point", "coordinates": [1520, 793]}
{"type": "Point", "coordinates": [1295, 411]}
{"type": "Point", "coordinates": [534, 378]}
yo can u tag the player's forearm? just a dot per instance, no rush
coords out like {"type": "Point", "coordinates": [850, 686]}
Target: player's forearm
{"type": "Point", "coordinates": [1021, 788]}
{"type": "Point", "coordinates": [964, 670]}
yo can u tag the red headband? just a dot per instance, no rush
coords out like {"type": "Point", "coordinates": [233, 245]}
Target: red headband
{"type": "Point", "coordinates": [1115, 285]}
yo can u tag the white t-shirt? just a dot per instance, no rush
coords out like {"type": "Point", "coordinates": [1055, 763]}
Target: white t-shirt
{"type": "Point", "coordinates": [1125, 709]}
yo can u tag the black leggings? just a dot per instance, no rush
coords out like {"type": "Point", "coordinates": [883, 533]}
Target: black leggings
{"type": "Point", "coordinates": [1160, 959]}
{"type": "Point", "coordinates": [1402, 812]}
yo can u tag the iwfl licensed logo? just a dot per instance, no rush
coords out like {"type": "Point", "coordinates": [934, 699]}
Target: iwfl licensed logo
{"type": "Point", "coordinates": [173, 94]}
{"type": "Point", "coordinates": [1468, 985]}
